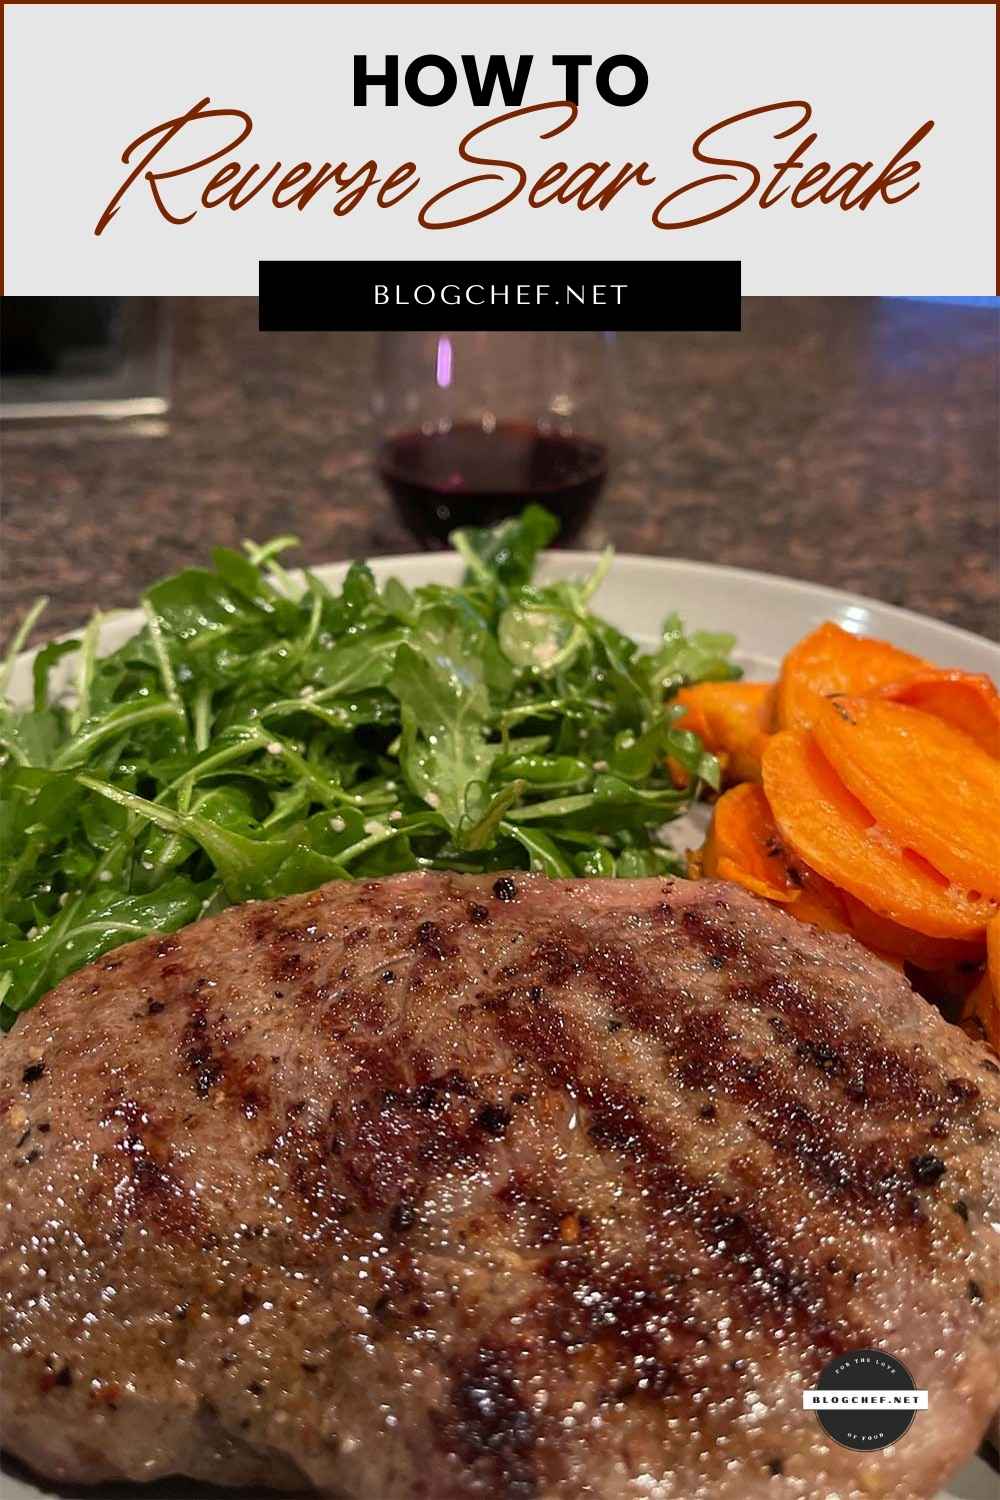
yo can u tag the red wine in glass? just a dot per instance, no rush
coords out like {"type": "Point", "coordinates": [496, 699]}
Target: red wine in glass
{"type": "Point", "coordinates": [472, 427]}
{"type": "Point", "coordinates": [468, 475]}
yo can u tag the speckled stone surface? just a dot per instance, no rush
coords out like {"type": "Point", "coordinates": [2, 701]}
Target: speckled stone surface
{"type": "Point", "coordinates": [851, 442]}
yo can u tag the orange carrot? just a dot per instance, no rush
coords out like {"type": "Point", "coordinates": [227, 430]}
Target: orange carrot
{"type": "Point", "coordinates": [834, 833]}
{"type": "Point", "coordinates": [733, 720]}
{"type": "Point", "coordinates": [928, 785]}
{"type": "Point", "coordinates": [965, 700]}
{"type": "Point", "coordinates": [830, 660]}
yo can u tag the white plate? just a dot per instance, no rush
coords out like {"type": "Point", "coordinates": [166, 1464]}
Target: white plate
{"type": "Point", "coordinates": [766, 614]}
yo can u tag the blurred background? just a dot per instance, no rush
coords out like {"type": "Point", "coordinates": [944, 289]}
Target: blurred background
{"type": "Point", "coordinates": [853, 442]}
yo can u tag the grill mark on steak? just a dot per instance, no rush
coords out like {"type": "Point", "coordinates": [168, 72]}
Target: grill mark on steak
{"type": "Point", "coordinates": [154, 1193]}
{"type": "Point", "coordinates": [877, 1077]}
{"type": "Point", "coordinates": [870, 1176]}
{"type": "Point", "coordinates": [873, 1176]}
{"type": "Point", "coordinates": [489, 1426]}
{"type": "Point", "coordinates": [401, 1146]}
{"type": "Point", "coordinates": [205, 1066]}
{"type": "Point", "coordinates": [643, 1315]}
{"type": "Point", "coordinates": [306, 1153]}
{"type": "Point", "coordinates": [206, 1050]}
{"type": "Point", "coordinates": [770, 1279]}
{"type": "Point", "coordinates": [392, 1140]}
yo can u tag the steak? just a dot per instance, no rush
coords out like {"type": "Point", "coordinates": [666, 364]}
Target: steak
{"type": "Point", "coordinates": [442, 1187]}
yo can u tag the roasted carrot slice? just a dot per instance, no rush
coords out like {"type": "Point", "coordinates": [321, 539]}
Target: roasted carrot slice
{"type": "Point", "coordinates": [733, 720]}
{"type": "Point", "coordinates": [927, 784]}
{"type": "Point", "coordinates": [889, 937]}
{"type": "Point", "coordinates": [835, 834]}
{"type": "Point", "coordinates": [829, 660]}
{"type": "Point", "coordinates": [745, 846]}
{"type": "Point", "coordinates": [965, 700]}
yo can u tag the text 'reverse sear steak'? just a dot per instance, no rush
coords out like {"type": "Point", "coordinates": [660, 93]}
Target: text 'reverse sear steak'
{"type": "Point", "coordinates": [444, 1187]}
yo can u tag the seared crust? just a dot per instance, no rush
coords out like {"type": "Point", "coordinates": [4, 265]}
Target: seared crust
{"type": "Point", "coordinates": [440, 1187]}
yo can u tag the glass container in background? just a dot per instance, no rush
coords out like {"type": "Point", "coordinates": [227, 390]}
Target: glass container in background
{"type": "Point", "coordinates": [471, 427]}
{"type": "Point", "coordinates": [103, 360]}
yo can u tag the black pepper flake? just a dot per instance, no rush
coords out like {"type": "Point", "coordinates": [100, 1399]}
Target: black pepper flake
{"type": "Point", "coordinates": [975, 1292]}
{"type": "Point", "coordinates": [154, 1007]}
{"type": "Point", "coordinates": [478, 914]}
{"type": "Point", "coordinates": [962, 1209]}
{"type": "Point", "coordinates": [44, 1128]}
{"type": "Point", "coordinates": [64, 1377]}
{"type": "Point", "coordinates": [775, 1466]}
{"type": "Point", "coordinates": [504, 889]}
{"type": "Point", "coordinates": [535, 993]}
{"type": "Point", "coordinates": [708, 1112]}
{"type": "Point", "coordinates": [387, 976]}
{"type": "Point", "coordinates": [716, 961]}
{"type": "Point", "coordinates": [403, 1217]}
{"type": "Point", "coordinates": [493, 1119]}
{"type": "Point", "coordinates": [821, 1055]}
{"type": "Point", "coordinates": [431, 939]}
{"type": "Point", "coordinates": [33, 1072]}
{"type": "Point", "coordinates": [255, 1388]}
{"type": "Point", "coordinates": [927, 1170]}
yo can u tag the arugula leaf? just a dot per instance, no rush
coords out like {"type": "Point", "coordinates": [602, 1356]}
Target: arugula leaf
{"type": "Point", "coordinates": [262, 734]}
{"type": "Point", "coordinates": [545, 857]}
{"type": "Point", "coordinates": [681, 659]}
{"type": "Point", "coordinates": [445, 711]}
{"type": "Point", "coordinates": [506, 553]}
{"type": "Point", "coordinates": [481, 832]}
{"type": "Point", "coordinates": [90, 928]}
{"type": "Point", "coordinates": [30, 738]}
{"type": "Point", "coordinates": [42, 666]}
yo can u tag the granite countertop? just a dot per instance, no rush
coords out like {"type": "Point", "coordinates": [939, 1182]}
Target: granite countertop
{"type": "Point", "coordinates": [848, 441]}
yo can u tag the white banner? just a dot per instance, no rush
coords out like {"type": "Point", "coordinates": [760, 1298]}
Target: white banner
{"type": "Point", "coordinates": [168, 148]}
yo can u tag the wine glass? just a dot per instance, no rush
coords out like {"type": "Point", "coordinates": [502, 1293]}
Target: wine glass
{"type": "Point", "coordinates": [473, 426]}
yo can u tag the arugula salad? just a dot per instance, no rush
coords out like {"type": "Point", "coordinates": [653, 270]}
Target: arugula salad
{"type": "Point", "coordinates": [262, 734]}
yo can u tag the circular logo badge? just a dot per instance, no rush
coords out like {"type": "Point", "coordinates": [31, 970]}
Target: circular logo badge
{"type": "Point", "coordinates": [865, 1400]}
